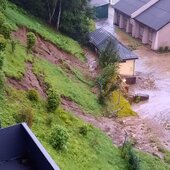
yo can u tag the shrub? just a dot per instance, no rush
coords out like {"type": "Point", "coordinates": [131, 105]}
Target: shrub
{"type": "Point", "coordinates": [3, 5]}
{"type": "Point", "coordinates": [129, 155]}
{"type": "Point", "coordinates": [101, 99]}
{"type": "Point", "coordinates": [31, 40]}
{"type": "Point", "coordinates": [83, 130]}
{"type": "Point", "coordinates": [53, 100]}
{"type": "Point", "coordinates": [32, 95]}
{"type": "Point", "coordinates": [1, 81]}
{"type": "Point", "coordinates": [161, 49]}
{"type": "Point", "coordinates": [1, 60]}
{"type": "Point", "coordinates": [13, 46]}
{"type": "Point", "coordinates": [5, 30]}
{"type": "Point", "coordinates": [2, 18]}
{"type": "Point", "coordinates": [25, 115]}
{"type": "Point", "coordinates": [59, 137]}
{"type": "Point", "coordinates": [2, 43]}
{"type": "Point", "coordinates": [166, 49]}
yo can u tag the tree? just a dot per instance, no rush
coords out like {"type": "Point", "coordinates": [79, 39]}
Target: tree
{"type": "Point", "coordinates": [75, 19]}
{"type": "Point", "coordinates": [72, 17]}
{"type": "Point", "coordinates": [52, 6]}
{"type": "Point", "coordinates": [109, 55]}
{"type": "Point", "coordinates": [59, 14]}
{"type": "Point", "coordinates": [108, 80]}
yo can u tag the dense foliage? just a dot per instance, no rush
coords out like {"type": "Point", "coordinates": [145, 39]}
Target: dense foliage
{"type": "Point", "coordinates": [69, 16]}
{"type": "Point", "coordinates": [59, 137]}
{"type": "Point", "coordinates": [108, 80]}
{"type": "Point", "coordinates": [53, 100]}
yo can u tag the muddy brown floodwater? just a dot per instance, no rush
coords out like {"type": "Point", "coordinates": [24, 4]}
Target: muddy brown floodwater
{"type": "Point", "coordinates": [153, 78]}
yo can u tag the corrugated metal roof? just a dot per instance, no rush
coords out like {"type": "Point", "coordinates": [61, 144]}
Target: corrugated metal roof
{"type": "Point", "coordinates": [156, 16]}
{"type": "Point", "coordinates": [129, 6]}
{"type": "Point", "coordinates": [100, 38]}
{"type": "Point", "coordinates": [97, 3]}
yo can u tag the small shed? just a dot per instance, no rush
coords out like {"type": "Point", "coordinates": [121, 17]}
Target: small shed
{"type": "Point", "coordinates": [101, 8]}
{"type": "Point", "coordinates": [21, 150]}
{"type": "Point", "coordinates": [100, 38]}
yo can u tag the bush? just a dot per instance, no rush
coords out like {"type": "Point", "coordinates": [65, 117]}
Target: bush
{"type": "Point", "coordinates": [2, 43]}
{"type": "Point", "coordinates": [25, 115]}
{"type": "Point", "coordinates": [1, 60]}
{"type": "Point", "coordinates": [13, 46]}
{"type": "Point", "coordinates": [83, 130]}
{"type": "Point", "coordinates": [32, 95]}
{"type": "Point", "coordinates": [59, 137]}
{"type": "Point", "coordinates": [166, 49]}
{"type": "Point", "coordinates": [2, 18]}
{"type": "Point", "coordinates": [3, 5]}
{"type": "Point", "coordinates": [5, 30]}
{"type": "Point", "coordinates": [129, 155]}
{"type": "Point", "coordinates": [101, 99]}
{"type": "Point", "coordinates": [1, 81]}
{"type": "Point", "coordinates": [53, 100]}
{"type": "Point", "coordinates": [31, 40]}
{"type": "Point", "coordinates": [161, 49]}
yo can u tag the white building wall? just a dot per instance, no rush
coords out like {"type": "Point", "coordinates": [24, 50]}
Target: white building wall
{"type": "Point", "coordinates": [161, 38]}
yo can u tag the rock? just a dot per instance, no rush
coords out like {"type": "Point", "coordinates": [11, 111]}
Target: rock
{"type": "Point", "coordinates": [138, 98]}
{"type": "Point", "coordinates": [141, 97]}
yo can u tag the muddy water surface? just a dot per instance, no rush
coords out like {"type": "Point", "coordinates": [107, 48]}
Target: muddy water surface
{"type": "Point", "coordinates": [158, 67]}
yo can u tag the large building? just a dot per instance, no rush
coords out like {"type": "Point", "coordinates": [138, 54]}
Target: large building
{"type": "Point", "coordinates": [147, 20]}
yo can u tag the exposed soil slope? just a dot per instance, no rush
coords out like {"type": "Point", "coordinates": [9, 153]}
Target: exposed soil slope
{"type": "Point", "coordinates": [28, 82]}
{"type": "Point", "coordinates": [50, 52]}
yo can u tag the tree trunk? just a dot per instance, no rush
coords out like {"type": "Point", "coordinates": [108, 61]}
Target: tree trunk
{"type": "Point", "coordinates": [59, 16]}
{"type": "Point", "coordinates": [51, 11]}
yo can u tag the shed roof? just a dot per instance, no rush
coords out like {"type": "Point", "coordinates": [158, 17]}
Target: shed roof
{"type": "Point", "coordinates": [156, 16]}
{"type": "Point", "coordinates": [100, 38]}
{"type": "Point", "coordinates": [21, 150]}
{"type": "Point", "coordinates": [128, 7]}
{"type": "Point", "coordinates": [97, 3]}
